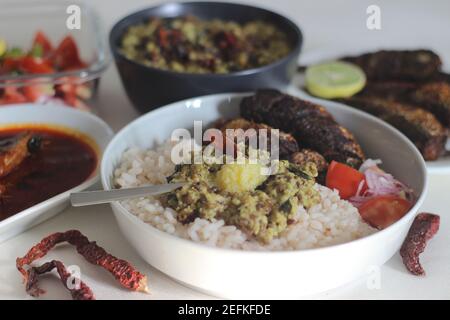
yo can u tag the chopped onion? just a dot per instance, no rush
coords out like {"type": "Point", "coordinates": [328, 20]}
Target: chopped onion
{"type": "Point", "coordinates": [369, 163]}
{"type": "Point", "coordinates": [379, 183]}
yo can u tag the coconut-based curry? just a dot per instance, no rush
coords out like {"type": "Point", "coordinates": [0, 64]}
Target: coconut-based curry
{"type": "Point", "coordinates": [261, 205]}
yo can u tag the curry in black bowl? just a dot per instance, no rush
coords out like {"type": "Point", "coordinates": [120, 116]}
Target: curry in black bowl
{"type": "Point", "coordinates": [176, 51]}
{"type": "Point", "coordinates": [193, 45]}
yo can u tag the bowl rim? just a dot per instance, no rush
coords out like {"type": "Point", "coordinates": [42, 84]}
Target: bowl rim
{"type": "Point", "coordinates": [90, 181]}
{"type": "Point", "coordinates": [106, 183]}
{"type": "Point", "coordinates": [295, 50]}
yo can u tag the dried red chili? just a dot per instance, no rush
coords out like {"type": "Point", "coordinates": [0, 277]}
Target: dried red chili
{"type": "Point", "coordinates": [123, 271]}
{"type": "Point", "coordinates": [80, 292]}
{"type": "Point", "coordinates": [424, 227]}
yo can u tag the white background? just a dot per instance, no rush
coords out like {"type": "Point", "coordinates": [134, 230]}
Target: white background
{"type": "Point", "coordinates": [330, 28]}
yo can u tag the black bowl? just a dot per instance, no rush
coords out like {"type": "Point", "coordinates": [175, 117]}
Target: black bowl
{"type": "Point", "coordinates": [149, 88]}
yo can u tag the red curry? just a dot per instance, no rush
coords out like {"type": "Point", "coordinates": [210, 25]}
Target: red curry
{"type": "Point", "coordinates": [39, 162]}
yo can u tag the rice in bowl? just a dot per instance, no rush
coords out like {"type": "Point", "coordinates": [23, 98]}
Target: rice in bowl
{"type": "Point", "coordinates": [332, 221]}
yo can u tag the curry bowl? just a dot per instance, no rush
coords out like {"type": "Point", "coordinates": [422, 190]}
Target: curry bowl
{"type": "Point", "coordinates": [149, 87]}
{"type": "Point", "coordinates": [66, 124]}
{"type": "Point", "coordinates": [232, 273]}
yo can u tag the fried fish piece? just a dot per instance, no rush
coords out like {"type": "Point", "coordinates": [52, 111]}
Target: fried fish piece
{"type": "Point", "coordinates": [434, 97]}
{"type": "Point", "coordinates": [12, 155]}
{"type": "Point", "coordinates": [389, 89]}
{"type": "Point", "coordinates": [398, 64]}
{"type": "Point", "coordinates": [311, 125]}
{"type": "Point", "coordinates": [287, 145]}
{"type": "Point", "coordinates": [419, 125]}
{"type": "Point", "coordinates": [440, 77]}
{"type": "Point", "coordinates": [305, 156]}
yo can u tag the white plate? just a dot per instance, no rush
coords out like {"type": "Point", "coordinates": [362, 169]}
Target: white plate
{"type": "Point", "coordinates": [81, 121]}
{"type": "Point", "coordinates": [243, 274]}
{"type": "Point", "coordinates": [441, 165]}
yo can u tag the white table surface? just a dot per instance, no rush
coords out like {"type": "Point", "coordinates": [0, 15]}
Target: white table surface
{"type": "Point", "coordinates": [328, 26]}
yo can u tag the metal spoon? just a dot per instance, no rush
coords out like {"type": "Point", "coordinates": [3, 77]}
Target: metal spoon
{"type": "Point", "coordinates": [87, 198]}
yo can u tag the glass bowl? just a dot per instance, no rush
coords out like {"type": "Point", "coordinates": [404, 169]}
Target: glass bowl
{"type": "Point", "coordinates": [19, 22]}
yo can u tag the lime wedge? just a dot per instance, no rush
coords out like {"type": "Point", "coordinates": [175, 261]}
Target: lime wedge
{"type": "Point", "coordinates": [2, 47]}
{"type": "Point", "coordinates": [334, 79]}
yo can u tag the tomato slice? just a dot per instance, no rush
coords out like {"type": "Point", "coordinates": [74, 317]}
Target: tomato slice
{"type": "Point", "coordinates": [30, 64]}
{"type": "Point", "coordinates": [41, 39]}
{"type": "Point", "coordinates": [66, 55]}
{"type": "Point", "coordinates": [380, 212]}
{"type": "Point", "coordinates": [343, 178]}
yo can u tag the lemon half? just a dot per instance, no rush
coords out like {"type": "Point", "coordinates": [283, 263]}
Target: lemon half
{"type": "Point", "coordinates": [334, 79]}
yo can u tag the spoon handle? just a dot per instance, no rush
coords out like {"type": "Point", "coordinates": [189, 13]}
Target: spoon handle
{"type": "Point", "coordinates": [87, 198]}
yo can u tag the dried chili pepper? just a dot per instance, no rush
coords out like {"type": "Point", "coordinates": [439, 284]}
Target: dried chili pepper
{"type": "Point", "coordinates": [123, 271]}
{"type": "Point", "coordinates": [81, 292]}
{"type": "Point", "coordinates": [424, 227]}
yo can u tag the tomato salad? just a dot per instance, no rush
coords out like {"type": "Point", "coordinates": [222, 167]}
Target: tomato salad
{"type": "Point", "coordinates": [380, 198]}
{"type": "Point", "coordinates": [43, 58]}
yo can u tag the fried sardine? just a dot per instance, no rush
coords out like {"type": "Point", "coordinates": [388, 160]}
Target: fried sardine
{"type": "Point", "coordinates": [419, 125]}
{"type": "Point", "coordinates": [414, 65]}
{"type": "Point", "coordinates": [311, 125]}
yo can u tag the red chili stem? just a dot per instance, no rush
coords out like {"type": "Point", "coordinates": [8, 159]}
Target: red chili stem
{"type": "Point", "coordinates": [81, 292]}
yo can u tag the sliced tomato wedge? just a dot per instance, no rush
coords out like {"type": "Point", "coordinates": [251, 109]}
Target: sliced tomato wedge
{"type": "Point", "coordinates": [66, 55]}
{"type": "Point", "coordinates": [343, 178]}
{"type": "Point", "coordinates": [380, 212]}
{"type": "Point", "coordinates": [41, 39]}
{"type": "Point", "coordinates": [36, 65]}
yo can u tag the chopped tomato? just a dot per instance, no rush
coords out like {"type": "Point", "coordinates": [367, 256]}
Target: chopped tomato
{"type": "Point", "coordinates": [12, 95]}
{"type": "Point", "coordinates": [380, 212]}
{"type": "Point", "coordinates": [70, 99]}
{"type": "Point", "coordinates": [68, 87]}
{"type": "Point", "coordinates": [41, 39]}
{"type": "Point", "coordinates": [79, 104]}
{"type": "Point", "coordinates": [9, 65]}
{"type": "Point", "coordinates": [343, 178]}
{"type": "Point", "coordinates": [30, 64]}
{"type": "Point", "coordinates": [34, 92]}
{"type": "Point", "coordinates": [43, 58]}
{"type": "Point", "coordinates": [66, 56]}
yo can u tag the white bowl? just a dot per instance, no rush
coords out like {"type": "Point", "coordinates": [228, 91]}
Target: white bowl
{"type": "Point", "coordinates": [81, 121]}
{"type": "Point", "coordinates": [243, 274]}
